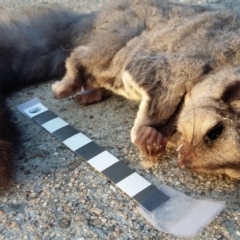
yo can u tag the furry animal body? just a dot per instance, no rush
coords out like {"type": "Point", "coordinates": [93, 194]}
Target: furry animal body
{"type": "Point", "coordinates": [181, 63]}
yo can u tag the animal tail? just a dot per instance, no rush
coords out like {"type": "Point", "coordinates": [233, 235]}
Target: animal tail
{"type": "Point", "coordinates": [34, 45]}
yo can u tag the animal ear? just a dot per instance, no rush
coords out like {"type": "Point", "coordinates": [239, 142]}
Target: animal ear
{"type": "Point", "coordinates": [231, 96]}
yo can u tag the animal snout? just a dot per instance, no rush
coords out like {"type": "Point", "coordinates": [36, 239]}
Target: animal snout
{"type": "Point", "coordinates": [185, 157]}
{"type": "Point", "coordinates": [184, 161]}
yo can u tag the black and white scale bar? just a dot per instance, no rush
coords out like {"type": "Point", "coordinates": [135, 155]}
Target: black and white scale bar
{"type": "Point", "coordinates": [125, 178]}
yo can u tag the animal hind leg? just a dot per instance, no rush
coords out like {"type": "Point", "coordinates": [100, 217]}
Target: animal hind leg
{"type": "Point", "coordinates": [73, 80]}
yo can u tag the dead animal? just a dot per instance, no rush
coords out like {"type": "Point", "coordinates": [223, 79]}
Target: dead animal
{"type": "Point", "coordinates": [181, 63]}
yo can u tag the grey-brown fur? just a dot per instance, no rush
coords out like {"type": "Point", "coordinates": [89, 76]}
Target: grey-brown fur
{"type": "Point", "coordinates": [150, 51]}
{"type": "Point", "coordinates": [160, 54]}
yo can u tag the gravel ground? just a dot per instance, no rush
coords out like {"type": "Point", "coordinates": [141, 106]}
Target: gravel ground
{"type": "Point", "coordinates": [56, 195]}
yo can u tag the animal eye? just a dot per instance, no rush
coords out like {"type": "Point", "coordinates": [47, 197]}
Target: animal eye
{"type": "Point", "coordinates": [214, 133]}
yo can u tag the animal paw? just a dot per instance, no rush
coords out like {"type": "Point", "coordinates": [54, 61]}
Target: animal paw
{"type": "Point", "coordinates": [91, 96]}
{"type": "Point", "coordinates": [61, 89]}
{"type": "Point", "coordinates": [151, 142]}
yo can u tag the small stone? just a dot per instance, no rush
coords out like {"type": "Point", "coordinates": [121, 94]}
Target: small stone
{"type": "Point", "coordinates": [44, 204]}
{"type": "Point", "coordinates": [64, 223]}
{"type": "Point", "coordinates": [114, 203]}
{"type": "Point", "coordinates": [52, 235]}
{"type": "Point", "coordinates": [112, 188]}
{"type": "Point", "coordinates": [97, 222]}
{"type": "Point", "coordinates": [77, 218]}
{"type": "Point", "coordinates": [14, 224]}
{"type": "Point", "coordinates": [97, 211]}
{"type": "Point", "coordinates": [68, 209]}
{"type": "Point", "coordinates": [33, 195]}
{"type": "Point", "coordinates": [40, 154]}
{"type": "Point", "coordinates": [75, 164]}
{"type": "Point", "coordinates": [37, 237]}
{"type": "Point", "coordinates": [238, 233]}
{"type": "Point", "coordinates": [114, 222]}
{"type": "Point", "coordinates": [31, 228]}
{"type": "Point", "coordinates": [94, 235]}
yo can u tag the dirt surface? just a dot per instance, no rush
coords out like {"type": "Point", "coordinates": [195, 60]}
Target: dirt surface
{"type": "Point", "coordinates": [56, 195]}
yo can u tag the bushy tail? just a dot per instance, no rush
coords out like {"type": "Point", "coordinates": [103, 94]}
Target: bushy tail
{"type": "Point", "coordinates": [33, 47]}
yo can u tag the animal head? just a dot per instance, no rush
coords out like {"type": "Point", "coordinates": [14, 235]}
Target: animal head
{"type": "Point", "coordinates": [209, 125]}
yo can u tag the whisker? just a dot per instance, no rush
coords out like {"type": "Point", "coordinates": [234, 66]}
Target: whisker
{"type": "Point", "coordinates": [193, 120]}
{"type": "Point", "coordinates": [179, 147]}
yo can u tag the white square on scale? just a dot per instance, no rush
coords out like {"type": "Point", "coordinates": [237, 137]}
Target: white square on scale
{"type": "Point", "coordinates": [76, 141]}
{"type": "Point", "coordinates": [54, 124]}
{"type": "Point", "coordinates": [133, 184]}
{"type": "Point", "coordinates": [102, 161]}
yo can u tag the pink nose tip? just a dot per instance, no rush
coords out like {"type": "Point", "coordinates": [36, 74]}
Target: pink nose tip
{"type": "Point", "coordinates": [184, 161]}
{"type": "Point", "coordinates": [180, 161]}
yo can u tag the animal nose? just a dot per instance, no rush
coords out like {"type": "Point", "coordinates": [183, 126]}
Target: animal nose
{"type": "Point", "coordinates": [184, 161]}
{"type": "Point", "coordinates": [185, 155]}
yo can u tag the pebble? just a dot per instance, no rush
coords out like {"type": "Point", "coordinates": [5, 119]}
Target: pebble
{"type": "Point", "coordinates": [68, 209]}
{"type": "Point", "coordinates": [77, 218]}
{"type": "Point", "coordinates": [112, 188]}
{"type": "Point", "coordinates": [97, 211]}
{"type": "Point", "coordinates": [14, 224]}
{"type": "Point", "coordinates": [97, 222]}
{"type": "Point", "coordinates": [40, 154]}
{"type": "Point", "coordinates": [75, 164]}
{"type": "Point", "coordinates": [31, 228]}
{"type": "Point", "coordinates": [64, 223]}
{"type": "Point", "coordinates": [104, 220]}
